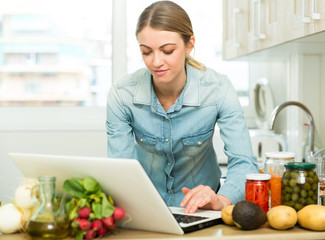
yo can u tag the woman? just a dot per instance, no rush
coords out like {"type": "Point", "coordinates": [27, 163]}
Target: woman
{"type": "Point", "coordinates": [164, 116]}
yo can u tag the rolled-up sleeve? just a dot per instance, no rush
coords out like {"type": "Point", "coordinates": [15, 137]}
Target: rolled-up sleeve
{"type": "Point", "coordinates": [237, 143]}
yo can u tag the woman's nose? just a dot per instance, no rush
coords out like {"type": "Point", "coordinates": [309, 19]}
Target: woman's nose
{"type": "Point", "coordinates": [157, 60]}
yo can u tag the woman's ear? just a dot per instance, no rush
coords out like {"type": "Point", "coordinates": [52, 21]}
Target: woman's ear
{"type": "Point", "coordinates": [190, 45]}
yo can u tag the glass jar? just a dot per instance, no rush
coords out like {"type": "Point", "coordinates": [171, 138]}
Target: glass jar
{"type": "Point", "coordinates": [50, 220]}
{"type": "Point", "coordinates": [274, 165]}
{"type": "Point", "coordinates": [257, 189]}
{"type": "Point", "coordinates": [299, 185]}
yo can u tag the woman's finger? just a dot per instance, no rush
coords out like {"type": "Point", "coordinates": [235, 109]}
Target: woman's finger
{"type": "Point", "coordinates": [198, 198]}
{"type": "Point", "coordinates": [189, 194]}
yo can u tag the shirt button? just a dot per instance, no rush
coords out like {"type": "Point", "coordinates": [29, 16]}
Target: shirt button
{"type": "Point", "coordinates": [170, 192]}
{"type": "Point", "coordinates": [166, 140]}
{"type": "Point", "coordinates": [168, 164]}
{"type": "Point", "coordinates": [166, 118]}
{"type": "Point", "coordinates": [199, 143]}
{"type": "Point", "coordinates": [141, 140]}
{"type": "Point", "coordinates": [167, 154]}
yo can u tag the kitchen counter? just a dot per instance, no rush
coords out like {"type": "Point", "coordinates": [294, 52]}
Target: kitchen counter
{"type": "Point", "coordinates": [220, 232]}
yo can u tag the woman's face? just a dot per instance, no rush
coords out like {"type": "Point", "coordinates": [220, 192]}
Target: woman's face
{"type": "Point", "coordinates": [163, 52]}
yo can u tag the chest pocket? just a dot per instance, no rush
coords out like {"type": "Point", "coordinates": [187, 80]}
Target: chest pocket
{"type": "Point", "coordinates": [196, 143]}
{"type": "Point", "coordinates": [146, 142]}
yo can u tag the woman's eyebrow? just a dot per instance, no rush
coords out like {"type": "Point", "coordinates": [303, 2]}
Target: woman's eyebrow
{"type": "Point", "coordinates": [162, 46]}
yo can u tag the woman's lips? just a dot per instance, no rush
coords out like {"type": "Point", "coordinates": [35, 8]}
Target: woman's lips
{"type": "Point", "coordinates": [160, 72]}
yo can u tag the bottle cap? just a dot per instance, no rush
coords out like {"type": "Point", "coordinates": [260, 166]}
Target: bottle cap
{"type": "Point", "coordinates": [300, 165]}
{"type": "Point", "coordinates": [258, 176]}
{"type": "Point", "coordinates": [280, 155]}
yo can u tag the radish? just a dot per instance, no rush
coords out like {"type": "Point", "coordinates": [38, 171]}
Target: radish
{"type": "Point", "coordinates": [118, 214]}
{"type": "Point", "coordinates": [97, 225]}
{"type": "Point", "coordinates": [108, 222]}
{"type": "Point", "coordinates": [84, 212]}
{"type": "Point", "coordinates": [84, 224]}
{"type": "Point", "coordinates": [90, 234]}
{"type": "Point", "coordinates": [101, 232]}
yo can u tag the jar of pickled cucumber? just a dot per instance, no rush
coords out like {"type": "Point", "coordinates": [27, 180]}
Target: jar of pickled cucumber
{"type": "Point", "coordinates": [299, 186]}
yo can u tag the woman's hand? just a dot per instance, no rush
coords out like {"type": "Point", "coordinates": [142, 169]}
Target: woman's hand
{"type": "Point", "coordinates": [203, 197]}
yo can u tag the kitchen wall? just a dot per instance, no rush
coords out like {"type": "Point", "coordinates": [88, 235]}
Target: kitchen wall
{"type": "Point", "coordinates": [294, 76]}
{"type": "Point", "coordinates": [79, 143]}
{"type": "Point", "coordinates": [47, 130]}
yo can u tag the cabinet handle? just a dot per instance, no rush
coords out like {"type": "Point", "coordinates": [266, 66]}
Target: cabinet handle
{"type": "Point", "coordinates": [236, 12]}
{"type": "Point", "coordinates": [257, 34]}
{"type": "Point", "coordinates": [315, 15]}
{"type": "Point", "coordinates": [305, 19]}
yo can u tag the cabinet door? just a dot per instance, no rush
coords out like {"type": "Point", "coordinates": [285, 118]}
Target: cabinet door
{"type": "Point", "coordinates": [300, 22]}
{"type": "Point", "coordinates": [235, 28]}
{"type": "Point", "coordinates": [257, 20]}
{"type": "Point", "coordinates": [266, 23]}
{"type": "Point", "coordinates": [318, 13]}
{"type": "Point", "coordinates": [275, 22]}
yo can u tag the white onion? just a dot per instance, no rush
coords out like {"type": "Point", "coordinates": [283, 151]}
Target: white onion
{"type": "Point", "coordinates": [10, 218]}
{"type": "Point", "coordinates": [23, 197]}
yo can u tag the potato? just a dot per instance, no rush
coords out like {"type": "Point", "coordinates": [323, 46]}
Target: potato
{"type": "Point", "coordinates": [312, 217]}
{"type": "Point", "coordinates": [282, 217]}
{"type": "Point", "coordinates": [226, 215]}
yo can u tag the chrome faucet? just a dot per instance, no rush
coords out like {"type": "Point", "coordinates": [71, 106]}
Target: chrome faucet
{"type": "Point", "coordinates": [278, 108]}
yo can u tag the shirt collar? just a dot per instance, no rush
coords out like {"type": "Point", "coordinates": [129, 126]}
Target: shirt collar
{"type": "Point", "coordinates": [142, 94]}
{"type": "Point", "coordinates": [144, 89]}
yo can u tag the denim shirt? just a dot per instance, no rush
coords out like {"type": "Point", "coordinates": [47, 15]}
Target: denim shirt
{"type": "Point", "coordinates": [175, 147]}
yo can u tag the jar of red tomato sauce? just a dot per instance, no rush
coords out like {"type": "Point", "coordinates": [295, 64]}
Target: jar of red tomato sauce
{"type": "Point", "coordinates": [257, 189]}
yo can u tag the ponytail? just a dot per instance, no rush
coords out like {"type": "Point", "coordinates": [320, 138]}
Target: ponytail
{"type": "Point", "coordinates": [194, 63]}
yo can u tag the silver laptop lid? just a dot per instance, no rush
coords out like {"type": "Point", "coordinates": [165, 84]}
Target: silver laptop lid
{"type": "Point", "coordinates": [124, 179]}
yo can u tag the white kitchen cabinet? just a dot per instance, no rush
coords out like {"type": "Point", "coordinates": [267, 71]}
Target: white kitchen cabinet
{"type": "Point", "coordinates": [300, 18]}
{"type": "Point", "coordinates": [265, 18]}
{"type": "Point", "coordinates": [254, 25]}
{"type": "Point", "coordinates": [251, 25]}
{"type": "Point", "coordinates": [319, 22]}
{"type": "Point", "coordinates": [235, 27]}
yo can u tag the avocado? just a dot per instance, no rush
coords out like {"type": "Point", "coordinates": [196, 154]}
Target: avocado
{"type": "Point", "coordinates": [248, 215]}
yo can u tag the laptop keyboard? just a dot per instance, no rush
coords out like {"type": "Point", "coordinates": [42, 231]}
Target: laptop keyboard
{"type": "Point", "coordinates": [181, 218]}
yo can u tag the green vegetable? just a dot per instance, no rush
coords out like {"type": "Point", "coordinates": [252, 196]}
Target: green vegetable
{"type": "Point", "coordinates": [299, 187]}
{"type": "Point", "coordinates": [86, 193]}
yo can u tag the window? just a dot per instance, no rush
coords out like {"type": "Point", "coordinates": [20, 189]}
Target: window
{"type": "Point", "coordinates": [67, 53]}
{"type": "Point", "coordinates": [55, 52]}
{"type": "Point", "coordinates": [58, 53]}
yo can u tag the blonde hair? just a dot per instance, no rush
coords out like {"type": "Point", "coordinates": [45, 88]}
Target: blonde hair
{"type": "Point", "coordinates": [168, 16]}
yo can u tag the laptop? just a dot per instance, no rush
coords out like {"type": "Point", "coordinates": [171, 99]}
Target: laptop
{"type": "Point", "coordinates": [127, 183]}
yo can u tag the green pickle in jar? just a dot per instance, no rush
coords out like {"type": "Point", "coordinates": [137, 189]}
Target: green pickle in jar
{"type": "Point", "coordinates": [299, 186]}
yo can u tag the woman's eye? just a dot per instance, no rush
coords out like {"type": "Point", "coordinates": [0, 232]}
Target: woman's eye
{"type": "Point", "coordinates": [146, 53]}
{"type": "Point", "coordinates": [169, 52]}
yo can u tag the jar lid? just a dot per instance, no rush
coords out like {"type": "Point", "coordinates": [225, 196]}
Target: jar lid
{"type": "Point", "coordinates": [258, 176]}
{"type": "Point", "coordinates": [280, 155]}
{"type": "Point", "coordinates": [300, 165]}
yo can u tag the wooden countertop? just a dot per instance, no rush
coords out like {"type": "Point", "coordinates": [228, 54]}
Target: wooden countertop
{"type": "Point", "coordinates": [220, 232]}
